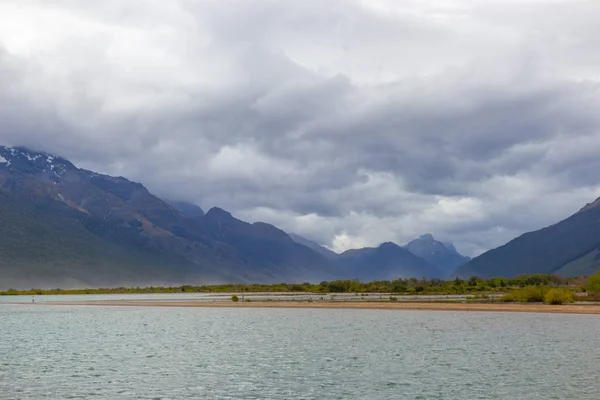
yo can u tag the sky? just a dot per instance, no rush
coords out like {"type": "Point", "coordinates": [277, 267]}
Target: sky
{"type": "Point", "coordinates": [350, 122]}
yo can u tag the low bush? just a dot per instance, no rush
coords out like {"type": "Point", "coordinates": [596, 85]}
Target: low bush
{"type": "Point", "coordinates": [559, 296]}
{"type": "Point", "coordinates": [234, 298]}
{"type": "Point", "coordinates": [507, 298]}
{"type": "Point", "coordinates": [528, 294]}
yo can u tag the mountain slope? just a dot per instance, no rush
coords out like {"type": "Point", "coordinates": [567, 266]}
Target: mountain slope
{"type": "Point", "coordinates": [122, 213]}
{"type": "Point", "coordinates": [568, 248]}
{"type": "Point", "coordinates": [38, 249]}
{"type": "Point", "coordinates": [325, 252]}
{"type": "Point", "coordinates": [386, 262]}
{"type": "Point", "coordinates": [267, 250]}
{"type": "Point", "coordinates": [437, 253]}
{"type": "Point", "coordinates": [112, 208]}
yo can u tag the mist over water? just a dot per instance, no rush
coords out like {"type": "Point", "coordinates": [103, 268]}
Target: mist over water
{"type": "Point", "coordinates": [58, 352]}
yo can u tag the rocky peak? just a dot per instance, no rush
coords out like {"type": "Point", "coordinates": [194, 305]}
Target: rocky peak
{"type": "Point", "coordinates": [428, 237]}
{"type": "Point", "coordinates": [24, 160]}
{"type": "Point", "coordinates": [389, 246]}
{"type": "Point", "coordinates": [443, 255]}
{"type": "Point", "coordinates": [591, 205]}
{"type": "Point", "coordinates": [450, 246]}
{"type": "Point", "coordinates": [217, 213]}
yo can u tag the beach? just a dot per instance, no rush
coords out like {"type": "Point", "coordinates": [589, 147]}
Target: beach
{"type": "Point", "coordinates": [372, 305]}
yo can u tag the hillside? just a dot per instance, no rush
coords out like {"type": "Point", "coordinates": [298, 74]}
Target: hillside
{"type": "Point", "coordinates": [38, 249]}
{"type": "Point", "coordinates": [331, 255]}
{"type": "Point", "coordinates": [568, 248]}
{"type": "Point", "coordinates": [113, 213]}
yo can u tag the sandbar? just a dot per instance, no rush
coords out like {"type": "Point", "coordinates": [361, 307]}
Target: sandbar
{"type": "Point", "coordinates": [372, 305]}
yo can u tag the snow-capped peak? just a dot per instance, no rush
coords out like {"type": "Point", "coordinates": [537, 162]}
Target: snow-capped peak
{"type": "Point", "coordinates": [21, 158]}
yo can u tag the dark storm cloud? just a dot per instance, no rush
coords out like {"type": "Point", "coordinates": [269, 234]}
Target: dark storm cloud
{"type": "Point", "coordinates": [349, 122]}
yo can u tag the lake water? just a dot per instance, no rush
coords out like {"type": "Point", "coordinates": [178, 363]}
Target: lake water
{"type": "Point", "coordinates": [62, 352]}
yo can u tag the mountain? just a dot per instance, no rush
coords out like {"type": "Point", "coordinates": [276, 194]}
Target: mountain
{"type": "Point", "coordinates": [187, 209]}
{"type": "Point", "coordinates": [268, 252]}
{"type": "Point", "coordinates": [437, 253]}
{"type": "Point", "coordinates": [568, 248]}
{"type": "Point", "coordinates": [38, 249]}
{"type": "Point", "coordinates": [324, 251]}
{"type": "Point", "coordinates": [133, 233]}
{"type": "Point", "coordinates": [386, 262]}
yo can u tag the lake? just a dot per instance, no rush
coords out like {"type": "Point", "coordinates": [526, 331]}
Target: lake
{"type": "Point", "coordinates": [82, 352]}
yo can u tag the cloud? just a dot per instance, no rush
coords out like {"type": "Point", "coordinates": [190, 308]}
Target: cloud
{"type": "Point", "coordinates": [350, 122]}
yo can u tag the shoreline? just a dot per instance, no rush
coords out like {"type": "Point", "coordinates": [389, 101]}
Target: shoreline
{"type": "Point", "coordinates": [417, 306]}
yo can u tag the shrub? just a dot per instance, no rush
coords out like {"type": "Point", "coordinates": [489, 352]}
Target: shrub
{"type": "Point", "coordinates": [559, 296]}
{"type": "Point", "coordinates": [234, 298]}
{"type": "Point", "coordinates": [528, 294]}
{"type": "Point", "coordinates": [473, 281]}
{"type": "Point", "coordinates": [392, 298]}
{"type": "Point", "coordinates": [593, 285]}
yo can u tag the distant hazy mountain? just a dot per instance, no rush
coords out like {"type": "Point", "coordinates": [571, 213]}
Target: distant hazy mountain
{"type": "Point", "coordinates": [568, 248]}
{"type": "Point", "coordinates": [268, 252]}
{"type": "Point", "coordinates": [386, 262]}
{"type": "Point", "coordinates": [324, 251]}
{"type": "Point", "coordinates": [187, 209]}
{"type": "Point", "coordinates": [442, 255]}
{"type": "Point", "coordinates": [89, 229]}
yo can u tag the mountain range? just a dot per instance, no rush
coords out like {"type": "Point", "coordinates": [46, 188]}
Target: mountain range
{"type": "Point", "coordinates": [421, 257]}
{"type": "Point", "coordinates": [62, 226]}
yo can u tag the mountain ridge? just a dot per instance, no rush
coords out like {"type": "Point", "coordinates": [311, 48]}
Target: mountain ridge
{"type": "Point", "coordinates": [324, 251]}
{"type": "Point", "coordinates": [160, 241]}
{"type": "Point", "coordinates": [124, 213]}
{"type": "Point", "coordinates": [569, 247]}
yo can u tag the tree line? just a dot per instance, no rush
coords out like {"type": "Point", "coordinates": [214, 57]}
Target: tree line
{"type": "Point", "coordinates": [401, 286]}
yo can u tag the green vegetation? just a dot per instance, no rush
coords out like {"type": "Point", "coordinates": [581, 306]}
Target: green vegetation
{"type": "Point", "coordinates": [52, 247]}
{"type": "Point", "coordinates": [528, 294]}
{"type": "Point", "coordinates": [525, 288]}
{"type": "Point", "coordinates": [235, 298]}
{"type": "Point", "coordinates": [538, 294]}
{"type": "Point", "coordinates": [582, 265]}
{"type": "Point", "coordinates": [559, 296]}
{"type": "Point", "coordinates": [593, 285]}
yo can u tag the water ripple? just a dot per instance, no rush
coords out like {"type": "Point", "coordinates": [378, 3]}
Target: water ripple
{"type": "Point", "coordinates": [180, 353]}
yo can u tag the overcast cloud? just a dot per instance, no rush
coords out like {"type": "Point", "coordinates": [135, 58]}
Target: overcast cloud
{"type": "Point", "coordinates": [349, 122]}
